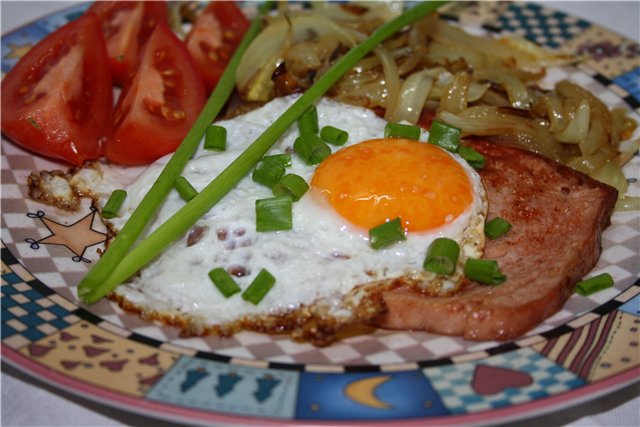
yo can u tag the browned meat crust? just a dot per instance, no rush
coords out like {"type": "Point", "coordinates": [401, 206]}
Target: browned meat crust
{"type": "Point", "coordinates": [557, 216]}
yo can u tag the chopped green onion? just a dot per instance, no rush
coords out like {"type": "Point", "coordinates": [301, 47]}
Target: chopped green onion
{"type": "Point", "coordinates": [475, 159]}
{"type": "Point", "coordinates": [594, 284]}
{"type": "Point", "coordinates": [185, 189]}
{"type": "Point", "coordinates": [100, 280]}
{"type": "Point", "coordinates": [107, 275]}
{"type": "Point", "coordinates": [399, 130]}
{"type": "Point", "coordinates": [334, 135]}
{"type": "Point", "coordinates": [284, 159]}
{"type": "Point", "coordinates": [268, 172]}
{"type": "Point", "coordinates": [257, 290]}
{"type": "Point", "coordinates": [274, 214]}
{"type": "Point", "coordinates": [308, 121]}
{"type": "Point", "coordinates": [496, 227]}
{"type": "Point", "coordinates": [484, 271]}
{"type": "Point", "coordinates": [113, 205]}
{"type": "Point", "coordinates": [224, 282]}
{"type": "Point", "coordinates": [444, 136]}
{"type": "Point", "coordinates": [311, 149]}
{"type": "Point", "coordinates": [386, 234]}
{"type": "Point", "coordinates": [291, 185]}
{"type": "Point", "coordinates": [215, 138]}
{"type": "Point", "coordinates": [442, 256]}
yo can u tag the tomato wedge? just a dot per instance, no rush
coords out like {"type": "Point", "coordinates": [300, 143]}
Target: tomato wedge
{"type": "Point", "coordinates": [57, 99]}
{"type": "Point", "coordinates": [127, 25]}
{"type": "Point", "coordinates": [214, 37]}
{"type": "Point", "coordinates": [157, 109]}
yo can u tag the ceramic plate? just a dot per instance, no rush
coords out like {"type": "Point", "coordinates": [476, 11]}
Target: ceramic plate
{"type": "Point", "coordinates": [589, 348]}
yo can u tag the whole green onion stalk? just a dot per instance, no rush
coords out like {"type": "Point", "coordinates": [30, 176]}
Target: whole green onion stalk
{"type": "Point", "coordinates": [91, 288]}
{"type": "Point", "coordinates": [98, 284]}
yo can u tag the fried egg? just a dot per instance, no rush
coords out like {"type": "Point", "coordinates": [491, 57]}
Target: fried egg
{"type": "Point", "coordinates": [325, 263]}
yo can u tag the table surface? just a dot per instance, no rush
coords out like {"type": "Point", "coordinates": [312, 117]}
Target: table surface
{"type": "Point", "coordinates": [55, 407]}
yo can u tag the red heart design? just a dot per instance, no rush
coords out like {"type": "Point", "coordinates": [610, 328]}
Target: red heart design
{"type": "Point", "coordinates": [150, 360]}
{"type": "Point", "coordinates": [65, 336]}
{"type": "Point", "coordinates": [493, 379]}
{"type": "Point", "coordinates": [38, 350]}
{"type": "Point", "coordinates": [91, 351]}
{"type": "Point", "coordinates": [70, 364]}
{"type": "Point", "coordinates": [115, 365]}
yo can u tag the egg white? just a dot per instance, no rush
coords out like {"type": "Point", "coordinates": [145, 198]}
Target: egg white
{"type": "Point", "coordinates": [322, 260]}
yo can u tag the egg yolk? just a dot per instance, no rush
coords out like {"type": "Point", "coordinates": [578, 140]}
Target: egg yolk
{"type": "Point", "coordinates": [379, 180]}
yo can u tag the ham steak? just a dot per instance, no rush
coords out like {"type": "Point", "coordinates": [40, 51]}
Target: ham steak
{"type": "Point", "coordinates": [557, 216]}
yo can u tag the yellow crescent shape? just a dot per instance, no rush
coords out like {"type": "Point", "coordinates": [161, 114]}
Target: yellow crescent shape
{"type": "Point", "coordinates": [363, 391]}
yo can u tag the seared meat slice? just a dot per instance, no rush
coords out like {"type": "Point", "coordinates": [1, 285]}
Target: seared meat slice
{"type": "Point", "coordinates": [557, 216]}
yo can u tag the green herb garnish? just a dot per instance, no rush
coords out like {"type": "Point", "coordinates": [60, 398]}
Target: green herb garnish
{"type": "Point", "coordinates": [224, 282]}
{"type": "Point", "coordinates": [442, 256]}
{"type": "Point", "coordinates": [215, 138]}
{"type": "Point", "coordinates": [333, 135]}
{"type": "Point", "coordinates": [386, 234]}
{"type": "Point", "coordinates": [399, 130]}
{"type": "Point", "coordinates": [291, 185]}
{"type": "Point", "coordinates": [274, 214]}
{"type": "Point", "coordinates": [258, 289]}
{"type": "Point", "coordinates": [594, 284]}
{"type": "Point", "coordinates": [484, 271]}
{"type": "Point", "coordinates": [311, 149]}
{"type": "Point", "coordinates": [185, 189]}
{"type": "Point", "coordinates": [497, 227]}
{"type": "Point", "coordinates": [308, 121]}
{"type": "Point", "coordinates": [114, 203]}
{"type": "Point", "coordinates": [444, 136]}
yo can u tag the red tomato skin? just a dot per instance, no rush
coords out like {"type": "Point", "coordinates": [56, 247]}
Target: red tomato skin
{"type": "Point", "coordinates": [124, 47]}
{"type": "Point", "coordinates": [214, 37]}
{"type": "Point", "coordinates": [141, 131]}
{"type": "Point", "coordinates": [63, 118]}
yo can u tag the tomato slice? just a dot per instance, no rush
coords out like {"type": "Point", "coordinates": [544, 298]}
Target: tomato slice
{"type": "Point", "coordinates": [157, 109]}
{"type": "Point", "coordinates": [57, 99]}
{"type": "Point", "coordinates": [127, 25]}
{"type": "Point", "coordinates": [214, 37]}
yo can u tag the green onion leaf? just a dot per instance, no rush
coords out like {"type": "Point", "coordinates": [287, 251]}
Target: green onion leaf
{"type": "Point", "coordinates": [185, 189]}
{"type": "Point", "coordinates": [311, 149]}
{"type": "Point", "coordinates": [268, 172]}
{"type": "Point", "coordinates": [100, 280]}
{"type": "Point", "coordinates": [442, 256]}
{"type": "Point", "coordinates": [116, 266]}
{"type": "Point", "coordinates": [497, 227]}
{"type": "Point", "coordinates": [475, 159]}
{"type": "Point", "coordinates": [334, 135]}
{"type": "Point", "coordinates": [215, 138]}
{"type": "Point", "coordinates": [444, 136]}
{"type": "Point", "coordinates": [274, 214]}
{"type": "Point", "coordinates": [224, 282]}
{"type": "Point", "coordinates": [308, 121]}
{"type": "Point", "coordinates": [484, 271]}
{"type": "Point", "coordinates": [291, 185]}
{"type": "Point", "coordinates": [259, 288]}
{"type": "Point", "coordinates": [399, 130]}
{"type": "Point", "coordinates": [284, 159]}
{"type": "Point", "coordinates": [386, 234]}
{"type": "Point", "coordinates": [594, 284]}
{"type": "Point", "coordinates": [113, 205]}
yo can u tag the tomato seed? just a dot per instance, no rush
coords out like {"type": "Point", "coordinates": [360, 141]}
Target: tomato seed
{"type": "Point", "coordinates": [213, 56]}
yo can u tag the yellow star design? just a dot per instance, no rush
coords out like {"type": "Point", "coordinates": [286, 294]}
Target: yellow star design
{"type": "Point", "coordinates": [17, 51]}
{"type": "Point", "coordinates": [77, 236]}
